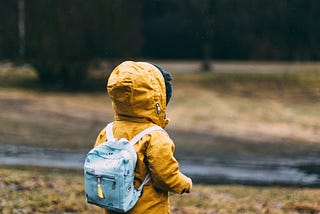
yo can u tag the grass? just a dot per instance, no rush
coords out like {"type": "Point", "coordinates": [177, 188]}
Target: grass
{"type": "Point", "coordinates": [269, 107]}
{"type": "Point", "coordinates": [42, 190]}
{"type": "Point", "coordinates": [280, 105]}
{"type": "Point", "coordinates": [47, 190]}
{"type": "Point", "coordinates": [44, 118]}
{"type": "Point", "coordinates": [289, 87]}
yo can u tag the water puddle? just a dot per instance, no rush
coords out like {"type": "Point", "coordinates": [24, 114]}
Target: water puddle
{"type": "Point", "coordinates": [286, 172]}
{"type": "Point", "coordinates": [256, 170]}
{"type": "Point", "coordinates": [37, 156]}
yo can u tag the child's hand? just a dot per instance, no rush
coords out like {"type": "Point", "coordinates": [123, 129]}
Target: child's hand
{"type": "Point", "coordinates": [190, 189]}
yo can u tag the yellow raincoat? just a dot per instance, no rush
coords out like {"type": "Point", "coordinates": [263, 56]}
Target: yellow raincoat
{"type": "Point", "coordinates": [138, 94]}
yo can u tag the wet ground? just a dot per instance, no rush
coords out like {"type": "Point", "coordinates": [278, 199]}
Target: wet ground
{"type": "Point", "coordinates": [222, 159]}
{"type": "Point", "coordinates": [208, 159]}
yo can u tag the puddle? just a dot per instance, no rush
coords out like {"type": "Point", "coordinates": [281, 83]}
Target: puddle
{"type": "Point", "coordinates": [256, 170]}
{"type": "Point", "coordinates": [285, 172]}
{"type": "Point", "coordinates": [25, 155]}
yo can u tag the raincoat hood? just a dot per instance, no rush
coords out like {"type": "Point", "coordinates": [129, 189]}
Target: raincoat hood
{"type": "Point", "coordinates": [138, 93]}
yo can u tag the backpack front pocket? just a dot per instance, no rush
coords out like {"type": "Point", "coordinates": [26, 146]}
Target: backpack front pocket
{"type": "Point", "coordinates": [102, 190]}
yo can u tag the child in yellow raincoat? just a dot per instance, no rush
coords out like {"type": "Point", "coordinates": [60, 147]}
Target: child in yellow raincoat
{"type": "Point", "coordinates": [140, 92]}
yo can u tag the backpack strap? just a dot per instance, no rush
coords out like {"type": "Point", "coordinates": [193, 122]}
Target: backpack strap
{"type": "Point", "coordinates": [145, 181]}
{"type": "Point", "coordinates": [134, 140]}
{"type": "Point", "coordinates": [143, 133]}
{"type": "Point", "coordinates": [109, 132]}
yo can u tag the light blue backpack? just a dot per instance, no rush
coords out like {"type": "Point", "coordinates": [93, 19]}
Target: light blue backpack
{"type": "Point", "coordinates": [109, 172]}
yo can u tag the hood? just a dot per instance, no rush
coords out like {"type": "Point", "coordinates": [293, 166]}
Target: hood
{"type": "Point", "coordinates": [138, 93]}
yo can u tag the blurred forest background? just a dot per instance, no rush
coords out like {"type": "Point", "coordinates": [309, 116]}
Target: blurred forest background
{"type": "Point", "coordinates": [62, 38]}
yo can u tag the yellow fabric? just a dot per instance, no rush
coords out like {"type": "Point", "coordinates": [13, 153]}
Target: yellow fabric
{"type": "Point", "coordinates": [137, 90]}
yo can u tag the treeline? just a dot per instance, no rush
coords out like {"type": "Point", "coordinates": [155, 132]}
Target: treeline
{"type": "Point", "coordinates": [60, 38]}
{"type": "Point", "coordinates": [232, 29]}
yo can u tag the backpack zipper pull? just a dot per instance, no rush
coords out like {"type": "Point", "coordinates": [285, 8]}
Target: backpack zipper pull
{"type": "Point", "coordinates": [100, 193]}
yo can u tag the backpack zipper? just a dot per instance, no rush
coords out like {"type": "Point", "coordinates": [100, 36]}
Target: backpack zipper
{"type": "Point", "coordinates": [110, 177]}
{"type": "Point", "coordinates": [99, 177]}
{"type": "Point", "coordinates": [100, 193]}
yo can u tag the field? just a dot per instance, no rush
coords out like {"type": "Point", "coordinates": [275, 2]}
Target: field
{"type": "Point", "coordinates": [266, 107]}
{"type": "Point", "coordinates": [44, 190]}
{"type": "Point", "coordinates": [283, 106]}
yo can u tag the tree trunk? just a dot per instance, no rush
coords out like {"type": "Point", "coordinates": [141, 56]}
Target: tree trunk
{"type": "Point", "coordinates": [206, 62]}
